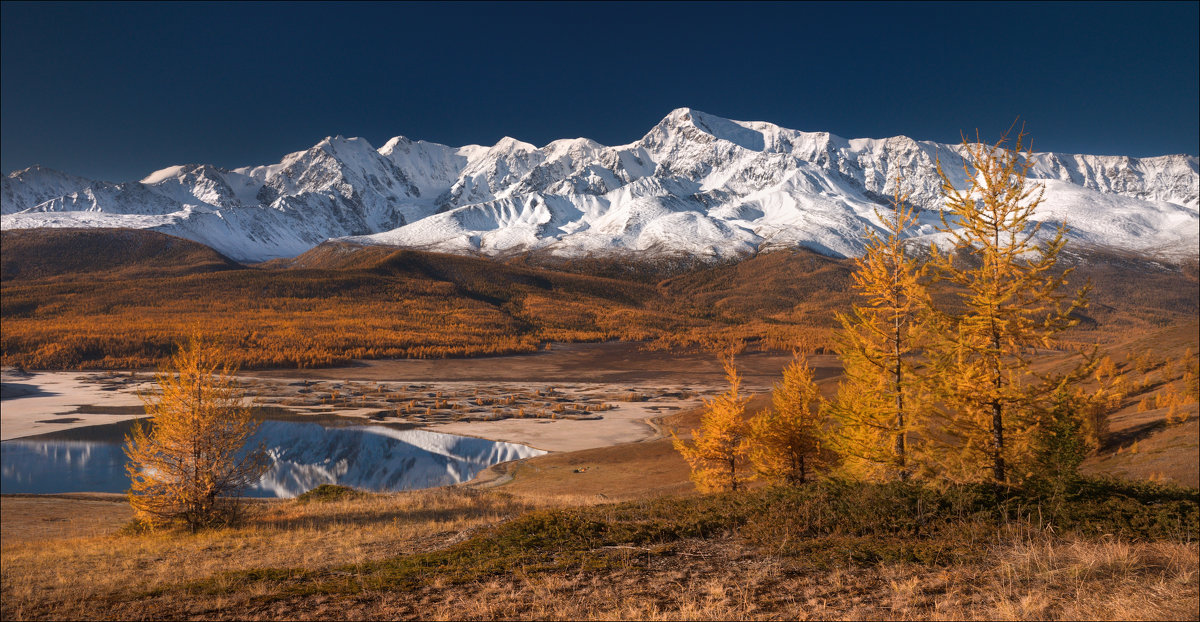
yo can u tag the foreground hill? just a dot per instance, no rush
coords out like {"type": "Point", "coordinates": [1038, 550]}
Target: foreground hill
{"type": "Point", "coordinates": [340, 301]}
{"type": "Point", "coordinates": [828, 550]}
{"type": "Point", "coordinates": [695, 185]}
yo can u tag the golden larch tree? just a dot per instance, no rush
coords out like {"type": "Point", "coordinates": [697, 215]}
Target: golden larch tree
{"type": "Point", "coordinates": [717, 453]}
{"type": "Point", "coordinates": [786, 439]}
{"type": "Point", "coordinates": [1010, 304]}
{"type": "Point", "coordinates": [189, 461]}
{"type": "Point", "coordinates": [879, 402]}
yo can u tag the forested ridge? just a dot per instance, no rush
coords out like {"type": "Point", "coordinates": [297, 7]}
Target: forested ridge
{"type": "Point", "coordinates": [122, 299]}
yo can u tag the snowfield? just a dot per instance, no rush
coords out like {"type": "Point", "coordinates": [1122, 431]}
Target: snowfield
{"type": "Point", "coordinates": [695, 184]}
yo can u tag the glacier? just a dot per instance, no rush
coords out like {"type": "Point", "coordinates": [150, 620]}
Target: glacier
{"type": "Point", "coordinates": [695, 184]}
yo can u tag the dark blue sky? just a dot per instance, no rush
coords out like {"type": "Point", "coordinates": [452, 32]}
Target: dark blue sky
{"type": "Point", "coordinates": [115, 91]}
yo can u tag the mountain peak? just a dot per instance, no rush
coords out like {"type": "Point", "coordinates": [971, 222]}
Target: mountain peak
{"type": "Point", "coordinates": [39, 170]}
{"type": "Point", "coordinates": [684, 120]}
{"type": "Point", "coordinates": [340, 141]}
{"type": "Point", "coordinates": [394, 143]}
{"type": "Point", "coordinates": [508, 144]}
{"type": "Point", "coordinates": [570, 146]}
{"type": "Point", "coordinates": [36, 168]}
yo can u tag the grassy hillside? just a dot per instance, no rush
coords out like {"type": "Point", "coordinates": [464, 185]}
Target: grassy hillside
{"type": "Point", "coordinates": [832, 550]}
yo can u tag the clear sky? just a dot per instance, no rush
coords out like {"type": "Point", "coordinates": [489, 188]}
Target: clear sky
{"type": "Point", "coordinates": [115, 91]}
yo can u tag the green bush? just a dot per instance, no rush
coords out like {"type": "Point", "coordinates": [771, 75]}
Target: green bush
{"type": "Point", "coordinates": [329, 492]}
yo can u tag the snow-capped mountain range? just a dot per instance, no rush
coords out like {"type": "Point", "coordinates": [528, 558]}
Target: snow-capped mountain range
{"type": "Point", "coordinates": [695, 184]}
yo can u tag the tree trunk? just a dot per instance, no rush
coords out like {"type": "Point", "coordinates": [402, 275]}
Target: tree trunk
{"type": "Point", "coordinates": [901, 458]}
{"type": "Point", "coordinates": [997, 442]}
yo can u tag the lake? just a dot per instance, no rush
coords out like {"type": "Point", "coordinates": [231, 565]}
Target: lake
{"type": "Point", "coordinates": [303, 456]}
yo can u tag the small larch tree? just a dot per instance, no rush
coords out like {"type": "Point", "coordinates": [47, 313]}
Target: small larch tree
{"type": "Point", "coordinates": [1011, 304]}
{"type": "Point", "coordinates": [1062, 441]}
{"type": "Point", "coordinates": [786, 439]}
{"type": "Point", "coordinates": [191, 459]}
{"type": "Point", "coordinates": [717, 453]}
{"type": "Point", "coordinates": [880, 401]}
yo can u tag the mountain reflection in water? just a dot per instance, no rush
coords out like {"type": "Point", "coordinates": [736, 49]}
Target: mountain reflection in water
{"type": "Point", "coordinates": [303, 455]}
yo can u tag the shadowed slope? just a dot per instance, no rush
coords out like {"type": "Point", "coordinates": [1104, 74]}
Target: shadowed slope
{"type": "Point", "coordinates": [31, 254]}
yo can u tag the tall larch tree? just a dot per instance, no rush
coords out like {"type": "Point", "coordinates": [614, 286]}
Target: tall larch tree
{"type": "Point", "coordinates": [189, 461]}
{"type": "Point", "coordinates": [717, 453]}
{"type": "Point", "coordinates": [879, 402]}
{"type": "Point", "coordinates": [786, 440]}
{"type": "Point", "coordinates": [1010, 303]}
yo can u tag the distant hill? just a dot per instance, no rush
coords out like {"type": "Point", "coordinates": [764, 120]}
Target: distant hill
{"type": "Point", "coordinates": [30, 254]}
{"type": "Point", "coordinates": [342, 301]}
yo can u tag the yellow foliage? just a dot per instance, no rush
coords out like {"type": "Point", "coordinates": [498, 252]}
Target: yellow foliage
{"type": "Point", "coordinates": [185, 465]}
{"type": "Point", "coordinates": [1191, 375]}
{"type": "Point", "coordinates": [1109, 390]}
{"type": "Point", "coordinates": [1007, 286]}
{"type": "Point", "coordinates": [717, 453]}
{"type": "Point", "coordinates": [411, 305]}
{"type": "Point", "coordinates": [878, 403]}
{"type": "Point", "coordinates": [1175, 415]}
{"type": "Point", "coordinates": [785, 441]}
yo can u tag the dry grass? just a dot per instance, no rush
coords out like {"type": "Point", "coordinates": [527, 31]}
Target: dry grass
{"type": "Point", "coordinates": [348, 559]}
{"type": "Point", "coordinates": [1095, 580]}
{"type": "Point", "coordinates": [46, 574]}
{"type": "Point", "coordinates": [40, 517]}
{"type": "Point", "coordinates": [1068, 580]}
{"type": "Point", "coordinates": [1046, 579]}
{"type": "Point", "coordinates": [718, 581]}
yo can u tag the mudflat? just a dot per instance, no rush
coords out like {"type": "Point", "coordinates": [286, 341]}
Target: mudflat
{"type": "Point", "coordinates": [627, 384]}
{"type": "Point", "coordinates": [44, 402]}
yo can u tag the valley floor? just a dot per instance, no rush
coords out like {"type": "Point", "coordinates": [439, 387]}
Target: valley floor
{"type": "Point", "coordinates": [616, 531]}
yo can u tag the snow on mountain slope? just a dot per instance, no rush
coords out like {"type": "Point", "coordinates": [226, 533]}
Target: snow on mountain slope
{"type": "Point", "coordinates": [126, 198]}
{"type": "Point", "coordinates": [695, 184]}
{"type": "Point", "coordinates": [24, 189]}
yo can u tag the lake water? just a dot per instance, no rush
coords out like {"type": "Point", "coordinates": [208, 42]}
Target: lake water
{"type": "Point", "coordinates": [303, 456]}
